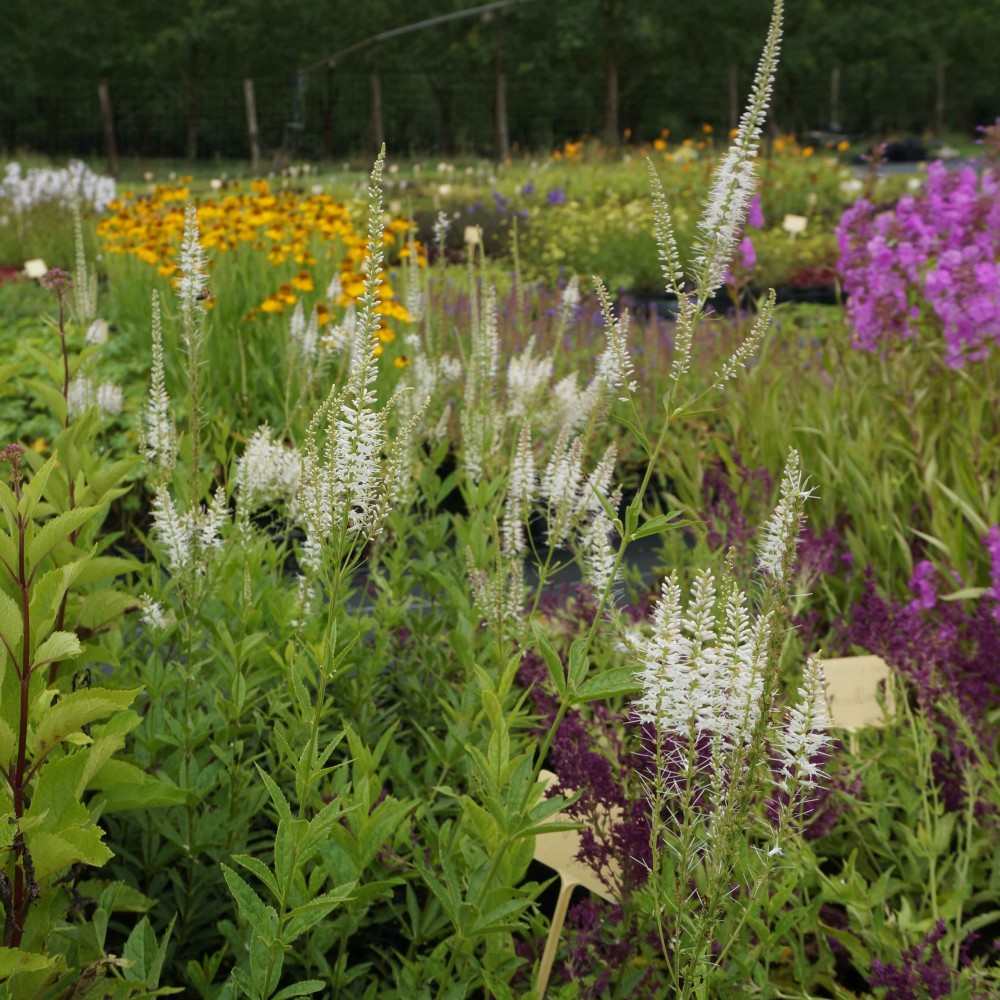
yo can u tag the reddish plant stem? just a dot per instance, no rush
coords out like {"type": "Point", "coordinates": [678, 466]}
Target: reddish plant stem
{"type": "Point", "coordinates": [22, 890]}
{"type": "Point", "coordinates": [61, 617]}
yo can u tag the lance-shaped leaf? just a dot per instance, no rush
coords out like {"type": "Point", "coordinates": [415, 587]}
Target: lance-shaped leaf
{"type": "Point", "coordinates": [56, 530]}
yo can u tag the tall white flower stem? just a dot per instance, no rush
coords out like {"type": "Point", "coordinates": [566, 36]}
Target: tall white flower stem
{"type": "Point", "coordinates": [191, 290]}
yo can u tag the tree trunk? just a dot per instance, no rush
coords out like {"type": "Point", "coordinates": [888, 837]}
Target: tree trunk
{"type": "Point", "coordinates": [251, 104]}
{"type": "Point", "coordinates": [108, 122]}
{"type": "Point", "coordinates": [378, 125]}
{"type": "Point", "coordinates": [612, 132]}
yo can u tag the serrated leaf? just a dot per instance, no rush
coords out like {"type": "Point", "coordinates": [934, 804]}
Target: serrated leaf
{"type": "Point", "coordinates": [13, 960]}
{"type": "Point", "coordinates": [258, 868]}
{"type": "Point", "coordinates": [579, 663]}
{"type": "Point", "coordinates": [79, 708]}
{"type": "Point", "coordinates": [251, 909]}
{"type": "Point", "coordinates": [309, 914]}
{"type": "Point", "coordinates": [52, 852]}
{"type": "Point", "coordinates": [47, 595]}
{"type": "Point", "coordinates": [124, 786]}
{"type": "Point", "coordinates": [56, 530]}
{"type": "Point", "coordinates": [57, 647]}
{"type": "Point", "coordinates": [31, 495]}
{"type": "Point", "coordinates": [103, 606]}
{"type": "Point", "coordinates": [11, 625]}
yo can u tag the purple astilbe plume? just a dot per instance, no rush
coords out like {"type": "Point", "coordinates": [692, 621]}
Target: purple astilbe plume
{"type": "Point", "coordinates": [921, 972]}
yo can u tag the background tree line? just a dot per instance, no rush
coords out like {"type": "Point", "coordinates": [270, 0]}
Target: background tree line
{"type": "Point", "coordinates": [554, 70]}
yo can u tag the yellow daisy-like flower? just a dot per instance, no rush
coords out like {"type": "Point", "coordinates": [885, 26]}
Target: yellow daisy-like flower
{"type": "Point", "coordinates": [272, 304]}
{"type": "Point", "coordinates": [303, 282]}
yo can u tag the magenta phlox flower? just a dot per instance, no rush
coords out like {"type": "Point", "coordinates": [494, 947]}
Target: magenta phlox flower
{"type": "Point", "coordinates": [928, 264]}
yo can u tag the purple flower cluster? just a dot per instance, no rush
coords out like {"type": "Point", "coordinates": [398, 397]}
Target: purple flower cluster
{"type": "Point", "coordinates": [921, 973]}
{"type": "Point", "coordinates": [932, 260]}
{"type": "Point", "coordinates": [992, 543]}
{"type": "Point", "coordinates": [942, 648]}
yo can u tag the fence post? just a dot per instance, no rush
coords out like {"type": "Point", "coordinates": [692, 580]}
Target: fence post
{"type": "Point", "coordinates": [502, 130]}
{"type": "Point", "coordinates": [835, 99]}
{"type": "Point", "coordinates": [378, 125]}
{"type": "Point", "coordinates": [251, 103]}
{"type": "Point", "coordinates": [108, 121]}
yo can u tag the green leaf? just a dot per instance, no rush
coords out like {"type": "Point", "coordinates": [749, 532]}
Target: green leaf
{"type": "Point", "coordinates": [309, 914]}
{"type": "Point", "coordinates": [966, 594]}
{"type": "Point", "coordinates": [57, 647]}
{"type": "Point", "coordinates": [47, 596]}
{"type": "Point", "coordinates": [56, 530]}
{"type": "Point", "coordinates": [103, 606]}
{"type": "Point", "coordinates": [53, 852]}
{"type": "Point", "coordinates": [79, 708]}
{"type": "Point", "coordinates": [556, 670]}
{"type": "Point", "coordinates": [8, 552]}
{"type": "Point", "coordinates": [656, 525]}
{"type": "Point", "coordinates": [608, 684]}
{"type": "Point", "coordinates": [102, 568]}
{"type": "Point", "coordinates": [259, 869]}
{"type": "Point", "coordinates": [124, 786]}
{"type": "Point", "coordinates": [251, 909]}
{"type": "Point", "coordinates": [31, 495]}
{"type": "Point", "coordinates": [578, 663]}
{"type": "Point", "coordinates": [277, 795]}
{"type": "Point", "coordinates": [13, 960]}
{"type": "Point", "coordinates": [302, 989]}
{"type": "Point", "coordinates": [52, 396]}
{"type": "Point", "coordinates": [141, 950]}
{"type": "Point", "coordinates": [11, 625]}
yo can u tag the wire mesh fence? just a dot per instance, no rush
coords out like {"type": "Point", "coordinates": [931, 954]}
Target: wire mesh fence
{"type": "Point", "coordinates": [339, 114]}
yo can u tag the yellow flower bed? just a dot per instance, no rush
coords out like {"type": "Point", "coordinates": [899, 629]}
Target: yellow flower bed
{"type": "Point", "coordinates": [286, 226]}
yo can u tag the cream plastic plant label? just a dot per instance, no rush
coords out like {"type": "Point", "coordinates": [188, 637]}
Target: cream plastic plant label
{"type": "Point", "coordinates": [853, 687]}
{"type": "Point", "coordinates": [559, 850]}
